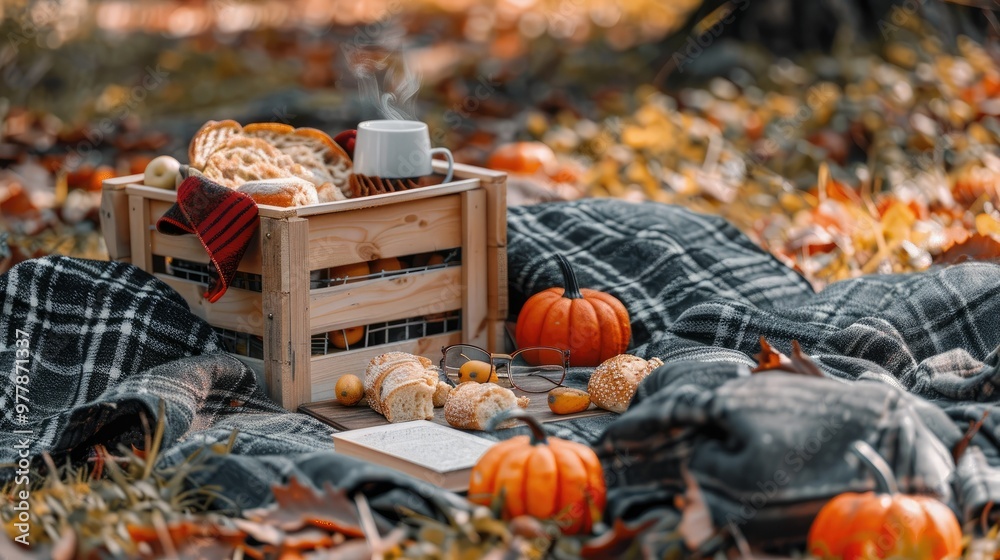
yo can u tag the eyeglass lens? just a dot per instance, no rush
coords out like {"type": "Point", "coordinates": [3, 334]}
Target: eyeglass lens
{"type": "Point", "coordinates": [531, 370]}
{"type": "Point", "coordinates": [537, 370]}
{"type": "Point", "coordinates": [456, 356]}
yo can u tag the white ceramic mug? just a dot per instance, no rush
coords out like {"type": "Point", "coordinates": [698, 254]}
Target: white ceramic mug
{"type": "Point", "coordinates": [396, 150]}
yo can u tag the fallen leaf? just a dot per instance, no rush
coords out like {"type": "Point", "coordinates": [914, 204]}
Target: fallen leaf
{"type": "Point", "coordinates": [802, 363]}
{"type": "Point", "coordinates": [696, 525]}
{"type": "Point", "coordinates": [768, 358]}
{"type": "Point", "coordinates": [976, 247]}
{"type": "Point", "coordinates": [298, 505]}
{"type": "Point", "coordinates": [613, 542]}
{"type": "Point", "coordinates": [963, 444]}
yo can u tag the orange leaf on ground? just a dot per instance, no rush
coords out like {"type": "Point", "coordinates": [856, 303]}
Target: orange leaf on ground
{"type": "Point", "coordinates": [299, 505]}
{"type": "Point", "coordinates": [614, 542]}
{"type": "Point", "coordinates": [963, 444]}
{"type": "Point", "coordinates": [769, 359]}
{"type": "Point", "coordinates": [977, 247]}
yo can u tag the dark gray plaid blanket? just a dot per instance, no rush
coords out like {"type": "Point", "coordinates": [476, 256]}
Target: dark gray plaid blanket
{"type": "Point", "coordinates": [909, 358]}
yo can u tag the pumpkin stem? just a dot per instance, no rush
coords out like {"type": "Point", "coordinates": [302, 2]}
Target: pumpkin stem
{"type": "Point", "coordinates": [570, 283]}
{"type": "Point", "coordinates": [538, 435]}
{"type": "Point", "coordinates": [885, 482]}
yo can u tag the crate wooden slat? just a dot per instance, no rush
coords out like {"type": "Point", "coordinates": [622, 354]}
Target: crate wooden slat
{"type": "Point", "coordinates": [114, 205]}
{"type": "Point", "coordinates": [458, 185]}
{"type": "Point", "coordinates": [474, 270]}
{"type": "Point", "coordinates": [496, 291]}
{"type": "Point", "coordinates": [294, 245]}
{"type": "Point", "coordinates": [286, 303]}
{"type": "Point", "coordinates": [381, 231]}
{"type": "Point", "coordinates": [139, 224]}
{"type": "Point", "coordinates": [240, 310]}
{"type": "Point", "coordinates": [385, 299]}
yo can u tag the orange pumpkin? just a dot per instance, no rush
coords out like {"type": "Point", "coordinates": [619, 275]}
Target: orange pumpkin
{"type": "Point", "coordinates": [566, 482]}
{"type": "Point", "coordinates": [592, 325]}
{"type": "Point", "coordinates": [884, 524]}
{"type": "Point", "coordinates": [524, 158]}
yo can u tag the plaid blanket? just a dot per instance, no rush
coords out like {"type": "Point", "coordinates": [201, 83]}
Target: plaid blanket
{"type": "Point", "coordinates": [909, 358]}
{"type": "Point", "coordinates": [91, 347]}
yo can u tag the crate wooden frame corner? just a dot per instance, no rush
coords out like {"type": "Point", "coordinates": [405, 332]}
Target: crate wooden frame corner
{"type": "Point", "coordinates": [468, 213]}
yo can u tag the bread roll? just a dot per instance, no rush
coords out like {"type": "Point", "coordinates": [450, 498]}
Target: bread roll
{"type": "Point", "coordinates": [441, 394]}
{"type": "Point", "coordinates": [472, 405]}
{"type": "Point", "coordinates": [614, 382]}
{"type": "Point", "coordinates": [401, 386]}
{"type": "Point", "coordinates": [286, 192]}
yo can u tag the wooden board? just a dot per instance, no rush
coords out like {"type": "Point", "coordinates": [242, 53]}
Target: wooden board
{"type": "Point", "coordinates": [238, 310]}
{"type": "Point", "coordinates": [286, 303]}
{"type": "Point", "coordinates": [474, 271]}
{"type": "Point", "coordinates": [139, 233]}
{"type": "Point", "coordinates": [362, 416]}
{"type": "Point", "coordinates": [187, 247]}
{"type": "Point", "coordinates": [420, 226]}
{"type": "Point", "coordinates": [386, 299]}
{"type": "Point", "coordinates": [114, 202]}
{"type": "Point", "coordinates": [372, 201]}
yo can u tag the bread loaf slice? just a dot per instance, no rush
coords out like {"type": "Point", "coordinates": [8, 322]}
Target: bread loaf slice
{"type": "Point", "coordinates": [472, 405]}
{"type": "Point", "coordinates": [231, 154]}
{"type": "Point", "coordinates": [401, 386]}
{"type": "Point", "coordinates": [208, 139]}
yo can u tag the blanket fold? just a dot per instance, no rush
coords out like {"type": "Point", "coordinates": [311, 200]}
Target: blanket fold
{"type": "Point", "coordinates": [910, 360]}
{"type": "Point", "coordinates": [224, 221]}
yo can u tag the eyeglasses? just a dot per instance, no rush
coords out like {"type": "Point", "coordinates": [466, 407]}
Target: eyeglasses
{"type": "Point", "coordinates": [532, 370]}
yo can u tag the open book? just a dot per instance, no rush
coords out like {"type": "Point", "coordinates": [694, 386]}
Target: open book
{"type": "Point", "coordinates": [434, 453]}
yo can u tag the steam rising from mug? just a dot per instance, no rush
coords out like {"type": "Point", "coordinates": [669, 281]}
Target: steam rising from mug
{"type": "Point", "coordinates": [384, 56]}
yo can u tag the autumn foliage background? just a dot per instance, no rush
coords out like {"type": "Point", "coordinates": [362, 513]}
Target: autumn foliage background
{"type": "Point", "coordinates": [846, 142]}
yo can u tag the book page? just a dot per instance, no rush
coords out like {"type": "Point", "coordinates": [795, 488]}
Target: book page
{"type": "Point", "coordinates": [441, 450]}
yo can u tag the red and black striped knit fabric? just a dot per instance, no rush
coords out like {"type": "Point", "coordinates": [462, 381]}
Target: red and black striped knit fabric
{"type": "Point", "coordinates": [224, 221]}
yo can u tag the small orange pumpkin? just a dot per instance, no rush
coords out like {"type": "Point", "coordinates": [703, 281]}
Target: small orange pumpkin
{"type": "Point", "coordinates": [523, 158]}
{"type": "Point", "coordinates": [592, 325]}
{"type": "Point", "coordinates": [566, 482]}
{"type": "Point", "coordinates": [884, 524]}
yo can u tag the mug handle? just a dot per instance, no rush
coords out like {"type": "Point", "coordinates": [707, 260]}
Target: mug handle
{"type": "Point", "coordinates": [447, 156]}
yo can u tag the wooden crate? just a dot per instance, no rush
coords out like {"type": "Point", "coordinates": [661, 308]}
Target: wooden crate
{"type": "Point", "coordinates": [293, 246]}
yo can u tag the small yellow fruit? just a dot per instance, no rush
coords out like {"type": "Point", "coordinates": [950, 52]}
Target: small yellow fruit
{"type": "Point", "coordinates": [480, 372]}
{"type": "Point", "coordinates": [566, 400]}
{"type": "Point", "coordinates": [349, 390]}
